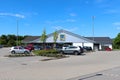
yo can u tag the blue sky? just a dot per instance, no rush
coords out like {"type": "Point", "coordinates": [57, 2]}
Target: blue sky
{"type": "Point", "coordinates": [73, 15]}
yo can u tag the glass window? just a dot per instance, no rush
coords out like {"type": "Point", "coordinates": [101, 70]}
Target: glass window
{"type": "Point", "coordinates": [72, 47]}
{"type": "Point", "coordinates": [15, 47]}
{"type": "Point", "coordinates": [62, 37]}
{"type": "Point", "coordinates": [20, 48]}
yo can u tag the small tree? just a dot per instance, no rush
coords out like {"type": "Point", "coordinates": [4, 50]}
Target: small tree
{"type": "Point", "coordinates": [43, 38]}
{"type": "Point", "coordinates": [3, 40]}
{"type": "Point", "coordinates": [55, 37]}
{"type": "Point", "coordinates": [116, 42]}
{"type": "Point", "coordinates": [11, 42]}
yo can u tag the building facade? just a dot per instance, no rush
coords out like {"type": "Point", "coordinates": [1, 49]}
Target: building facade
{"type": "Point", "coordinates": [69, 38]}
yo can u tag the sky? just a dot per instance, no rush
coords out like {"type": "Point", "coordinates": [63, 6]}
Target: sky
{"type": "Point", "coordinates": [98, 18]}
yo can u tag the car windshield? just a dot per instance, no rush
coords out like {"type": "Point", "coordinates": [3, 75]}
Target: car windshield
{"type": "Point", "coordinates": [21, 48]}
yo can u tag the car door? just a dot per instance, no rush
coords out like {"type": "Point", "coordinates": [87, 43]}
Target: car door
{"type": "Point", "coordinates": [68, 50]}
{"type": "Point", "coordinates": [16, 49]}
{"type": "Point", "coordinates": [21, 50]}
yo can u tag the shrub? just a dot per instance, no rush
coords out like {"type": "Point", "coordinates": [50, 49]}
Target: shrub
{"type": "Point", "coordinates": [48, 53]}
{"type": "Point", "coordinates": [41, 52]}
{"type": "Point", "coordinates": [18, 55]}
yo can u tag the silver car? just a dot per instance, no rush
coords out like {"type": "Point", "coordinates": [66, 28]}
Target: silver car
{"type": "Point", "coordinates": [72, 49]}
{"type": "Point", "coordinates": [19, 49]}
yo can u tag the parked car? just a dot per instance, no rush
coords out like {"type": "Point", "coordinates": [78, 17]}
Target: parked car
{"type": "Point", "coordinates": [87, 48]}
{"type": "Point", "coordinates": [108, 49]}
{"type": "Point", "coordinates": [48, 47]}
{"type": "Point", "coordinates": [36, 47]}
{"type": "Point", "coordinates": [72, 50]}
{"type": "Point", "coordinates": [30, 48]}
{"type": "Point", "coordinates": [1, 46]}
{"type": "Point", "coordinates": [19, 49]}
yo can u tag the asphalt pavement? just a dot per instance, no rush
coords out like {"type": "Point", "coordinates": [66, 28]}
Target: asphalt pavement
{"type": "Point", "coordinates": [100, 65]}
{"type": "Point", "coordinates": [110, 74]}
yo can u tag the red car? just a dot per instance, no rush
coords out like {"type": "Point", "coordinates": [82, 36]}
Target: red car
{"type": "Point", "coordinates": [30, 48]}
{"type": "Point", "coordinates": [108, 49]}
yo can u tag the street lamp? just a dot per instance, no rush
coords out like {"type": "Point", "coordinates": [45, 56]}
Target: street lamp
{"type": "Point", "coordinates": [93, 17]}
{"type": "Point", "coordinates": [17, 33]}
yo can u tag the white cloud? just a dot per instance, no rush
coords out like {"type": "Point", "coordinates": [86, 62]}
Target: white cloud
{"type": "Point", "coordinates": [117, 25]}
{"type": "Point", "coordinates": [57, 27]}
{"type": "Point", "coordinates": [61, 21]}
{"type": "Point", "coordinates": [11, 14]}
{"type": "Point", "coordinates": [118, 28]}
{"type": "Point", "coordinates": [73, 14]}
{"type": "Point", "coordinates": [111, 11]}
{"type": "Point", "coordinates": [70, 20]}
{"type": "Point", "coordinates": [99, 1]}
{"type": "Point", "coordinates": [70, 29]}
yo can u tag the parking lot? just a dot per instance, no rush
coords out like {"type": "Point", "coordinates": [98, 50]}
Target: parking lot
{"type": "Point", "coordinates": [33, 68]}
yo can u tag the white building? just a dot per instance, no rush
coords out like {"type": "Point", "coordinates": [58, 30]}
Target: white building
{"type": "Point", "coordinates": [69, 38]}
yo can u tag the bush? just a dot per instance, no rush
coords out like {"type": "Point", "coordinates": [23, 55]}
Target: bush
{"type": "Point", "coordinates": [48, 53]}
{"type": "Point", "coordinates": [41, 52]}
{"type": "Point", "coordinates": [19, 55]}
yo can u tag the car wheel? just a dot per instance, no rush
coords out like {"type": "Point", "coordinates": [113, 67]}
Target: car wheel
{"type": "Point", "coordinates": [61, 52]}
{"type": "Point", "coordinates": [26, 52]}
{"type": "Point", "coordinates": [13, 52]}
{"type": "Point", "coordinates": [76, 52]}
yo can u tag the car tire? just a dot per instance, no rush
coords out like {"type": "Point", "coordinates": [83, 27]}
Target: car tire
{"type": "Point", "coordinates": [12, 52]}
{"type": "Point", "coordinates": [76, 52]}
{"type": "Point", "coordinates": [26, 52]}
{"type": "Point", "coordinates": [61, 52]}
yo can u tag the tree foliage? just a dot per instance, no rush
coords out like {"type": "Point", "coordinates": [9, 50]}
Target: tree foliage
{"type": "Point", "coordinates": [3, 40]}
{"type": "Point", "coordinates": [116, 42]}
{"type": "Point", "coordinates": [55, 37]}
{"type": "Point", "coordinates": [43, 38]}
{"type": "Point", "coordinates": [10, 40]}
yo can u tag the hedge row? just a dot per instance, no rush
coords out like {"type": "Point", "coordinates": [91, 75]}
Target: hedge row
{"type": "Point", "coordinates": [48, 53]}
{"type": "Point", "coordinates": [19, 55]}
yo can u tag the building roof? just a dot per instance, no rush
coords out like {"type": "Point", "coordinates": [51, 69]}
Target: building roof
{"type": "Point", "coordinates": [73, 34]}
{"type": "Point", "coordinates": [105, 40]}
{"type": "Point", "coordinates": [28, 39]}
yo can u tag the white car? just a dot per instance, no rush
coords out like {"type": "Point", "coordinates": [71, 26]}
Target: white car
{"type": "Point", "coordinates": [72, 49]}
{"type": "Point", "coordinates": [19, 49]}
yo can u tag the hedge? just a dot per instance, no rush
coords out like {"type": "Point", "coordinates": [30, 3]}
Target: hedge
{"type": "Point", "coordinates": [48, 53]}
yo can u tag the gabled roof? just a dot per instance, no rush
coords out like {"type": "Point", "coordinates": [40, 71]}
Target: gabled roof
{"type": "Point", "coordinates": [28, 39]}
{"type": "Point", "coordinates": [105, 40]}
{"type": "Point", "coordinates": [73, 34]}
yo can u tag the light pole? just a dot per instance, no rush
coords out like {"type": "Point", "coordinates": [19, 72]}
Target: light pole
{"type": "Point", "coordinates": [93, 30]}
{"type": "Point", "coordinates": [17, 32]}
{"type": "Point", "coordinates": [93, 17]}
